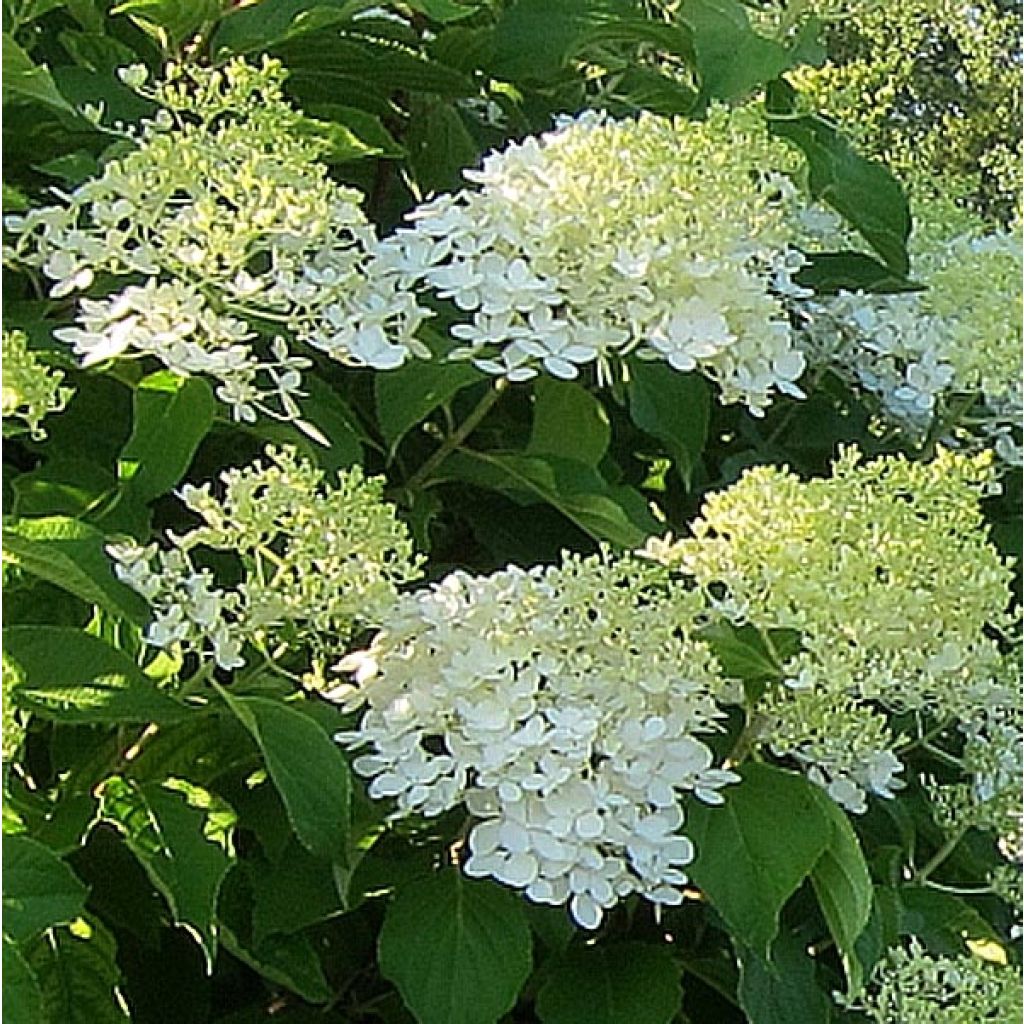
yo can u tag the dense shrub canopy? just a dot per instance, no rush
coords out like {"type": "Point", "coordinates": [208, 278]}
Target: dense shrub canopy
{"type": "Point", "coordinates": [512, 512]}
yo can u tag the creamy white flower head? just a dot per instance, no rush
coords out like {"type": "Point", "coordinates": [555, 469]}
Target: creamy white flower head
{"type": "Point", "coordinates": [227, 213]}
{"type": "Point", "coordinates": [674, 239]}
{"type": "Point", "coordinates": [318, 558]}
{"type": "Point", "coordinates": [563, 707]}
{"type": "Point", "coordinates": [885, 573]}
{"type": "Point", "coordinates": [31, 390]}
{"type": "Point", "coordinates": [925, 353]}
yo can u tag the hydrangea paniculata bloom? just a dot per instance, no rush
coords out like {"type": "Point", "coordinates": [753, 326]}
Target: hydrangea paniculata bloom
{"type": "Point", "coordinates": [672, 239]}
{"type": "Point", "coordinates": [233, 239]}
{"type": "Point", "coordinates": [317, 560]}
{"type": "Point", "coordinates": [31, 389]}
{"type": "Point", "coordinates": [563, 706]}
{"type": "Point", "coordinates": [922, 353]}
{"type": "Point", "coordinates": [886, 572]}
{"type": "Point", "coordinates": [910, 986]}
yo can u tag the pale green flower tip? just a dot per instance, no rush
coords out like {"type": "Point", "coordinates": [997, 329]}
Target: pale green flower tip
{"type": "Point", "coordinates": [31, 390]}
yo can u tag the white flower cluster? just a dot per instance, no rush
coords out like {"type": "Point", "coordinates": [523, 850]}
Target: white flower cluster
{"type": "Point", "coordinates": [562, 706]}
{"type": "Point", "coordinates": [672, 239]}
{"type": "Point", "coordinates": [910, 986]}
{"type": "Point", "coordinates": [886, 573]}
{"type": "Point", "coordinates": [316, 561]}
{"type": "Point", "coordinates": [31, 390]}
{"type": "Point", "coordinates": [923, 353]}
{"type": "Point", "coordinates": [224, 211]}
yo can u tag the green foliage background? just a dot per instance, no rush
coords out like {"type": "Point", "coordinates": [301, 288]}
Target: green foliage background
{"type": "Point", "coordinates": [206, 857]}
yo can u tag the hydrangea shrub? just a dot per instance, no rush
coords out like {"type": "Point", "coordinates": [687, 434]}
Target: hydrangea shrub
{"type": "Point", "coordinates": [511, 513]}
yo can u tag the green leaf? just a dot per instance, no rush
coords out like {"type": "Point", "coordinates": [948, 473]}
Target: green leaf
{"type": "Point", "coordinates": [861, 190]}
{"type": "Point", "coordinates": [618, 514]}
{"type": "Point", "coordinates": [618, 983]}
{"type": "Point", "coordinates": [78, 976]}
{"type": "Point", "coordinates": [673, 407]}
{"type": "Point", "coordinates": [349, 56]}
{"type": "Point", "coordinates": [172, 415]}
{"type": "Point", "coordinates": [568, 421]}
{"type": "Point", "coordinates": [458, 950]}
{"type": "Point", "coordinates": [390, 863]}
{"type": "Point", "coordinates": [63, 674]}
{"type": "Point", "coordinates": [173, 21]}
{"type": "Point", "coordinates": [741, 651]}
{"type": "Point", "coordinates": [446, 10]}
{"type": "Point", "coordinates": [831, 272]}
{"type": "Point", "coordinates": [306, 767]}
{"type": "Point", "coordinates": [26, 81]}
{"type": "Point", "coordinates": [731, 59]}
{"type": "Point", "coordinates": [288, 960]}
{"type": "Point", "coordinates": [842, 884]}
{"type": "Point", "coordinates": [179, 843]}
{"type": "Point", "coordinates": [406, 396]}
{"type": "Point", "coordinates": [23, 999]}
{"type": "Point", "coordinates": [70, 554]}
{"type": "Point", "coordinates": [943, 921]}
{"type": "Point", "coordinates": [534, 39]}
{"type": "Point", "coordinates": [882, 929]}
{"type": "Point", "coordinates": [754, 850]}
{"type": "Point", "coordinates": [40, 890]}
{"type": "Point", "coordinates": [354, 134]}
{"type": "Point", "coordinates": [782, 989]}
{"type": "Point", "coordinates": [439, 145]}
{"type": "Point", "coordinates": [296, 891]}
{"type": "Point", "coordinates": [255, 28]}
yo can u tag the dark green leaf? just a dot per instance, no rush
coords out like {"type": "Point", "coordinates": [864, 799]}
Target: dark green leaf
{"type": "Point", "coordinates": [782, 989]}
{"type": "Point", "coordinates": [389, 863]}
{"type": "Point", "coordinates": [861, 190]}
{"type": "Point", "coordinates": [307, 768]}
{"type": "Point", "coordinates": [23, 999]}
{"type": "Point", "coordinates": [731, 59]}
{"type": "Point", "coordinates": [66, 675]}
{"type": "Point", "coordinates": [440, 146]}
{"type": "Point", "coordinates": [354, 134]}
{"type": "Point", "coordinates": [754, 850]}
{"type": "Point", "coordinates": [406, 396]}
{"type": "Point", "coordinates": [618, 514]}
{"type": "Point", "coordinates": [78, 976]}
{"type": "Point", "coordinates": [254, 28]}
{"type": "Point", "coordinates": [180, 843]}
{"type": "Point", "coordinates": [297, 891]}
{"type": "Point", "coordinates": [172, 415]}
{"type": "Point", "coordinates": [673, 407]}
{"type": "Point", "coordinates": [619, 983]}
{"type": "Point", "coordinates": [26, 81]}
{"type": "Point", "coordinates": [345, 56]}
{"type": "Point", "coordinates": [943, 921]}
{"type": "Point", "coordinates": [741, 651]}
{"type": "Point", "coordinates": [288, 960]}
{"type": "Point", "coordinates": [552, 925]}
{"type": "Point", "coordinates": [62, 486]}
{"type": "Point", "coordinates": [882, 929]}
{"type": "Point", "coordinates": [40, 890]}
{"type": "Point", "coordinates": [446, 10]}
{"type": "Point", "coordinates": [70, 554]}
{"type": "Point", "coordinates": [177, 20]}
{"type": "Point", "coordinates": [568, 421]}
{"type": "Point", "coordinates": [830, 272]}
{"type": "Point", "coordinates": [842, 884]}
{"type": "Point", "coordinates": [458, 950]}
